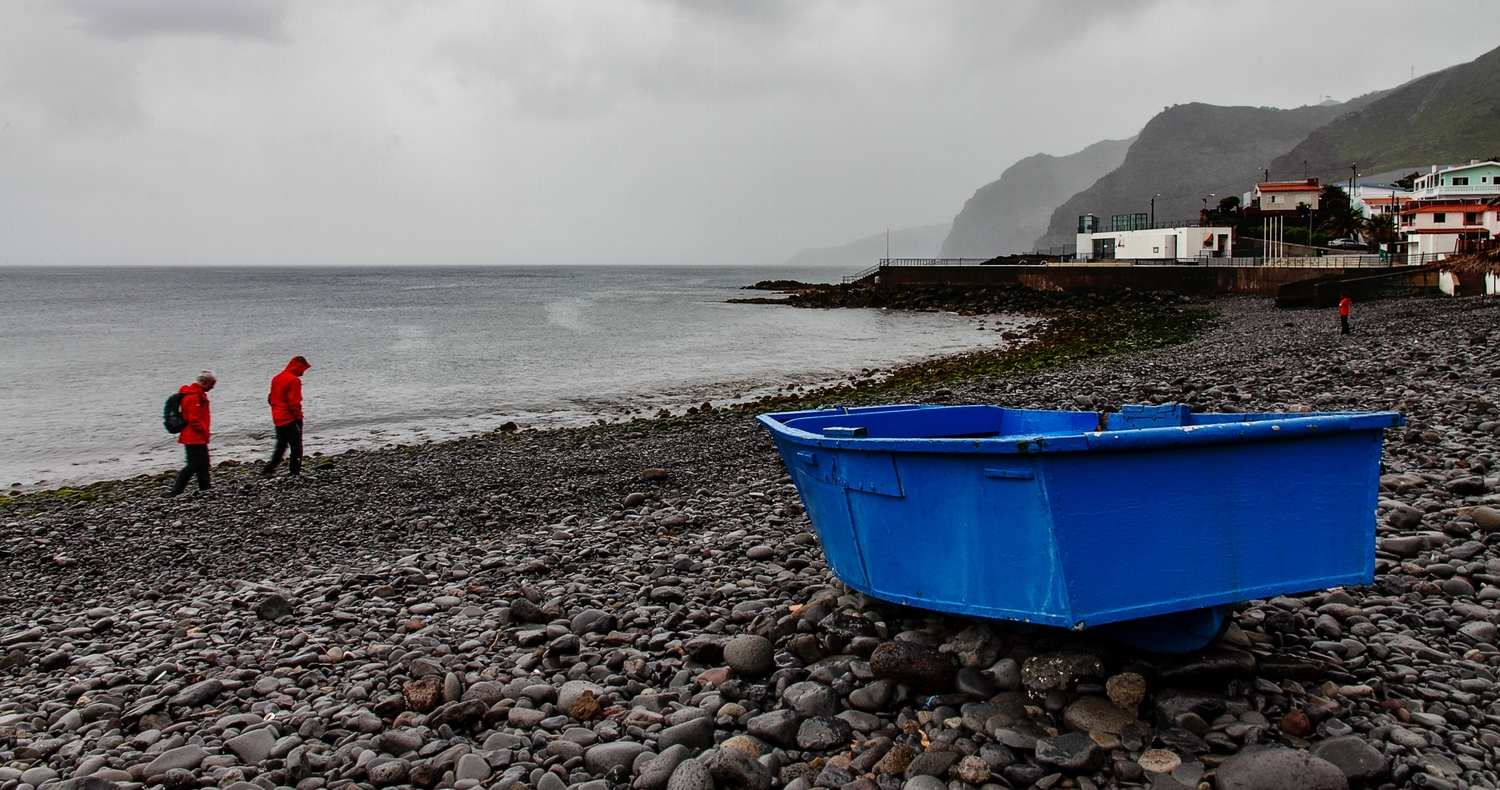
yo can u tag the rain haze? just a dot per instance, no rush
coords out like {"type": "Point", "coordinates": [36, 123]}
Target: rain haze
{"type": "Point", "coordinates": [263, 132]}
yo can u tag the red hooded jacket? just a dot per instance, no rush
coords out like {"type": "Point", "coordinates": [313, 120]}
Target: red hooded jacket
{"type": "Point", "coordinates": [195, 411]}
{"type": "Point", "coordinates": [286, 392]}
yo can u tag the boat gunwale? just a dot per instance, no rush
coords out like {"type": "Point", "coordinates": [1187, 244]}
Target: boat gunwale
{"type": "Point", "coordinates": [1282, 426]}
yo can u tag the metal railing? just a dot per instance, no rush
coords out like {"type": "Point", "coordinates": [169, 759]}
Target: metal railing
{"type": "Point", "coordinates": [1446, 190]}
{"type": "Point", "coordinates": [1365, 261]}
{"type": "Point", "coordinates": [885, 262]}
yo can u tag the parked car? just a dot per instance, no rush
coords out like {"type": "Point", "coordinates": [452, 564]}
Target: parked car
{"type": "Point", "coordinates": [1347, 244]}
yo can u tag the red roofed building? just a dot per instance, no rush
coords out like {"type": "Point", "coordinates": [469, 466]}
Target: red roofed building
{"type": "Point", "coordinates": [1283, 197]}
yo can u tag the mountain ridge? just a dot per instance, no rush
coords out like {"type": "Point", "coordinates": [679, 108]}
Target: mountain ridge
{"type": "Point", "coordinates": [1191, 153]}
{"type": "Point", "coordinates": [1446, 117]}
{"type": "Point", "coordinates": [1005, 216]}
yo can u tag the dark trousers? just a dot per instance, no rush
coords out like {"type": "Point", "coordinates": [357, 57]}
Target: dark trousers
{"type": "Point", "coordinates": [288, 436]}
{"type": "Point", "coordinates": [197, 464]}
{"type": "Point", "coordinates": [1343, 324]}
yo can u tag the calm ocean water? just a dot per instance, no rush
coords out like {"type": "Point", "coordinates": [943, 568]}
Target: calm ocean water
{"type": "Point", "coordinates": [402, 355]}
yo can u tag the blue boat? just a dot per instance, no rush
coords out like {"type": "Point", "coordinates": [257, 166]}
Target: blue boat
{"type": "Point", "coordinates": [1141, 525]}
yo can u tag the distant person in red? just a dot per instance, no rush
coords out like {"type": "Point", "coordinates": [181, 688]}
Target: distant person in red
{"type": "Point", "coordinates": [1344, 304]}
{"type": "Point", "coordinates": [194, 437]}
{"type": "Point", "coordinates": [286, 413]}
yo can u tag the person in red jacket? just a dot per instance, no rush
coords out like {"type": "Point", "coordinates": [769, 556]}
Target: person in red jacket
{"type": "Point", "coordinates": [194, 438]}
{"type": "Point", "coordinates": [286, 414]}
{"type": "Point", "coordinates": [1344, 304]}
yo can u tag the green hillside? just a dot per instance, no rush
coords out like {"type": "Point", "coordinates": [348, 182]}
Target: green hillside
{"type": "Point", "coordinates": [1445, 118]}
{"type": "Point", "coordinates": [1189, 151]}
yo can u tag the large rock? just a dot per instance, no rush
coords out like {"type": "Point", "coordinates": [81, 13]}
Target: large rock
{"type": "Point", "coordinates": [874, 697]}
{"type": "Point", "coordinates": [1404, 517]}
{"type": "Point", "coordinates": [659, 771]}
{"type": "Point", "coordinates": [1058, 671]}
{"type": "Point", "coordinates": [1073, 752]}
{"type": "Point", "coordinates": [274, 607]}
{"type": "Point", "coordinates": [924, 782]}
{"type": "Point", "coordinates": [187, 757]}
{"type": "Point", "coordinates": [455, 714]}
{"type": "Point", "coordinates": [822, 733]}
{"type": "Point", "coordinates": [602, 757]}
{"type": "Point", "coordinates": [1093, 714]}
{"type": "Point", "coordinates": [572, 690]}
{"type": "Point", "coordinates": [696, 734]}
{"type": "Point", "coordinates": [918, 666]}
{"type": "Point", "coordinates": [811, 699]}
{"type": "Point", "coordinates": [1279, 769]}
{"type": "Point", "coordinates": [749, 655]}
{"type": "Point", "coordinates": [733, 769]}
{"type": "Point", "coordinates": [593, 621]}
{"type": "Point", "coordinates": [931, 763]}
{"type": "Point", "coordinates": [423, 695]}
{"type": "Point", "coordinates": [1172, 703]}
{"type": "Point", "coordinates": [691, 775]}
{"type": "Point", "coordinates": [1486, 518]}
{"type": "Point", "coordinates": [778, 727]}
{"type": "Point", "coordinates": [198, 693]}
{"type": "Point", "coordinates": [978, 646]}
{"type": "Point", "coordinates": [253, 746]}
{"type": "Point", "coordinates": [1353, 755]}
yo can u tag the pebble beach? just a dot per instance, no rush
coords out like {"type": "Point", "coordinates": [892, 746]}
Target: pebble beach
{"type": "Point", "coordinates": [645, 606]}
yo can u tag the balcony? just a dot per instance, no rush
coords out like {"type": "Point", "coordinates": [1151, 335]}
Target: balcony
{"type": "Point", "coordinates": [1431, 193]}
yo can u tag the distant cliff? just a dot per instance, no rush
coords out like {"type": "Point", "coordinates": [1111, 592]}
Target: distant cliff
{"type": "Point", "coordinates": [1189, 151]}
{"type": "Point", "coordinates": [1448, 117]}
{"type": "Point", "coordinates": [1005, 217]}
{"type": "Point", "coordinates": [922, 242]}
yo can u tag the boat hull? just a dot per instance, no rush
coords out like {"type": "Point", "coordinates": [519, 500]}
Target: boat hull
{"type": "Point", "coordinates": [1040, 517]}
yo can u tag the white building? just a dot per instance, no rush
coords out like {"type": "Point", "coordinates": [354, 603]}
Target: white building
{"type": "Point", "coordinates": [1379, 200]}
{"type": "Point", "coordinates": [1175, 244]}
{"type": "Point", "coordinates": [1278, 197]}
{"type": "Point", "coordinates": [1451, 207]}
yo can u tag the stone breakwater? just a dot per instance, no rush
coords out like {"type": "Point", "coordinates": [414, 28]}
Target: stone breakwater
{"type": "Point", "coordinates": [644, 606]}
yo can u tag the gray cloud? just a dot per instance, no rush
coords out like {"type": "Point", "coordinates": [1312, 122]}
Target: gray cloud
{"type": "Point", "coordinates": [574, 131]}
{"type": "Point", "coordinates": [124, 19]}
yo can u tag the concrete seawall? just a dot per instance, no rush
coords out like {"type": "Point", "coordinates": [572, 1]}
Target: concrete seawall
{"type": "Point", "coordinates": [1257, 280]}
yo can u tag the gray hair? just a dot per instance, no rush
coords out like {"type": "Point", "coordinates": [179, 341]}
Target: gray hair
{"type": "Point", "coordinates": [207, 377]}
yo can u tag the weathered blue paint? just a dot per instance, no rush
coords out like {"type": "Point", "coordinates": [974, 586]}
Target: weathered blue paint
{"type": "Point", "coordinates": [1081, 519]}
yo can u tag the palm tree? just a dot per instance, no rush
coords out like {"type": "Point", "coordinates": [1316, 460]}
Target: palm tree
{"type": "Point", "coordinates": [1339, 219]}
{"type": "Point", "coordinates": [1381, 229]}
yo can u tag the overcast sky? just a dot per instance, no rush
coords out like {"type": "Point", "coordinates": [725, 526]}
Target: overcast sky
{"type": "Point", "coordinates": [632, 131]}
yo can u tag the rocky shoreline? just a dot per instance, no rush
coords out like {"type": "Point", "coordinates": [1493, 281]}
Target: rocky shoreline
{"type": "Point", "coordinates": [643, 605]}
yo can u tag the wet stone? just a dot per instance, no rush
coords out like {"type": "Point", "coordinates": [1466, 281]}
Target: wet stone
{"type": "Point", "coordinates": [749, 655]}
{"type": "Point", "coordinates": [1073, 752]}
{"type": "Point", "coordinates": [821, 733]}
{"type": "Point", "coordinates": [1092, 714]}
{"type": "Point", "coordinates": [1354, 756]}
{"type": "Point", "coordinates": [691, 775]}
{"type": "Point", "coordinates": [779, 727]}
{"type": "Point", "coordinates": [1059, 671]}
{"type": "Point", "coordinates": [734, 770]}
{"type": "Point", "coordinates": [922, 668]}
{"type": "Point", "coordinates": [1277, 768]}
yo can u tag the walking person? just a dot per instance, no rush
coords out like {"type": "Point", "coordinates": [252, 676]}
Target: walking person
{"type": "Point", "coordinates": [1344, 304]}
{"type": "Point", "coordinates": [194, 437]}
{"type": "Point", "coordinates": [286, 414]}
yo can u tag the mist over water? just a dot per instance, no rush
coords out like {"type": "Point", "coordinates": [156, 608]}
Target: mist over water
{"type": "Point", "coordinates": [404, 354]}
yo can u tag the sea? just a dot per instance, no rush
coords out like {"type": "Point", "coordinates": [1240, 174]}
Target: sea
{"type": "Point", "coordinates": [408, 355]}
